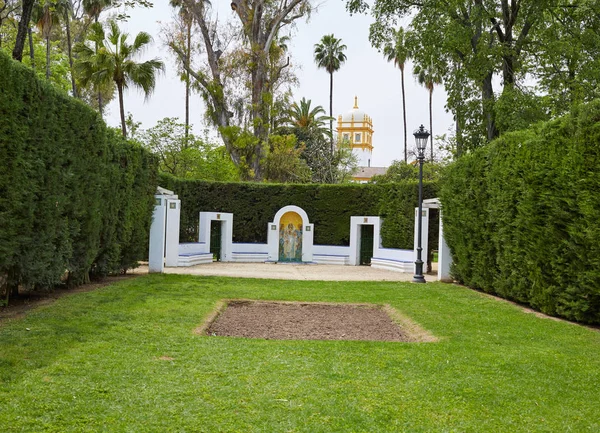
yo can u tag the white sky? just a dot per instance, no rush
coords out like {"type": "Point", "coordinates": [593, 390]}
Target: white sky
{"type": "Point", "coordinates": [365, 74]}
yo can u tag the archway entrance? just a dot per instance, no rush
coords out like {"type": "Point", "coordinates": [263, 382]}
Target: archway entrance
{"type": "Point", "coordinates": [215, 240]}
{"type": "Point", "coordinates": [290, 237]}
{"type": "Point", "coordinates": [366, 244]}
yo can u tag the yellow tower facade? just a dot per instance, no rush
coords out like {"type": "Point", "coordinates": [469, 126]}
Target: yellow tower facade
{"type": "Point", "coordinates": [356, 128]}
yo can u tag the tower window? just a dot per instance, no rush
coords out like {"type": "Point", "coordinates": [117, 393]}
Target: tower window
{"type": "Point", "coordinates": [346, 137]}
{"type": "Point", "coordinates": [368, 163]}
{"type": "Point", "coordinates": [357, 138]}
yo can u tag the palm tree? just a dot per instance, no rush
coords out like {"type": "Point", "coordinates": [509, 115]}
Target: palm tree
{"type": "Point", "coordinates": [187, 18]}
{"type": "Point", "coordinates": [93, 9]}
{"type": "Point", "coordinates": [46, 15]}
{"type": "Point", "coordinates": [428, 78]}
{"type": "Point", "coordinates": [114, 62]}
{"type": "Point", "coordinates": [302, 117]}
{"type": "Point", "coordinates": [398, 53]}
{"type": "Point", "coordinates": [67, 11]}
{"type": "Point", "coordinates": [329, 55]}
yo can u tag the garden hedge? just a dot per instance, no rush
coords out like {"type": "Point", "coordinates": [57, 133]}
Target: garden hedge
{"type": "Point", "coordinates": [75, 197]}
{"type": "Point", "coordinates": [522, 216]}
{"type": "Point", "coordinates": [329, 207]}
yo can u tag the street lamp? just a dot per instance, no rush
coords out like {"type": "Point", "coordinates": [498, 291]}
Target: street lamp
{"type": "Point", "coordinates": [421, 137]}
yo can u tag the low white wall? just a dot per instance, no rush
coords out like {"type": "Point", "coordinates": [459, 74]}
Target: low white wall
{"type": "Point", "coordinates": [331, 255]}
{"type": "Point", "coordinates": [250, 248]}
{"type": "Point", "coordinates": [193, 247]}
{"type": "Point", "coordinates": [393, 259]}
{"type": "Point", "coordinates": [250, 253]}
{"type": "Point", "coordinates": [394, 254]}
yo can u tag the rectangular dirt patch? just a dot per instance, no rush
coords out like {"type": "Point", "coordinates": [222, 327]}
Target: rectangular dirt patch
{"type": "Point", "coordinates": [309, 321]}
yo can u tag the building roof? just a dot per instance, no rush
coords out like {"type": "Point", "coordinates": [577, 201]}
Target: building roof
{"type": "Point", "coordinates": [366, 173]}
{"type": "Point", "coordinates": [355, 115]}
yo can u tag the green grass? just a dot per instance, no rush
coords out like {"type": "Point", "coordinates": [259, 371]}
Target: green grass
{"type": "Point", "coordinates": [90, 362]}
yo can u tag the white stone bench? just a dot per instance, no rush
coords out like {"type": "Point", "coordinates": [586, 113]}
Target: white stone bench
{"type": "Point", "coordinates": [331, 259]}
{"type": "Point", "coordinates": [392, 264]}
{"type": "Point", "coordinates": [249, 256]}
{"type": "Point", "coordinates": [194, 258]}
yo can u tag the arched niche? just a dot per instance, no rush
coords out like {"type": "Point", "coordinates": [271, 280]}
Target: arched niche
{"type": "Point", "coordinates": [290, 236]}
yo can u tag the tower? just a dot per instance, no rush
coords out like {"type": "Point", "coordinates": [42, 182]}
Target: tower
{"type": "Point", "coordinates": [356, 128]}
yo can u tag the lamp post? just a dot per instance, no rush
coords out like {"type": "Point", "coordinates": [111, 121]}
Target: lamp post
{"type": "Point", "coordinates": [421, 137]}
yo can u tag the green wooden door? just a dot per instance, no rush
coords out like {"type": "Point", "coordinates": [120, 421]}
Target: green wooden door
{"type": "Point", "coordinates": [366, 244]}
{"type": "Point", "coordinates": [215, 240]}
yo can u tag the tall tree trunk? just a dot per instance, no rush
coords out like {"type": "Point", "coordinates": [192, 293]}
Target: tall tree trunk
{"type": "Point", "coordinates": [459, 138]}
{"type": "Point", "coordinates": [431, 118]}
{"type": "Point", "coordinates": [404, 115]}
{"type": "Point", "coordinates": [31, 53]}
{"type": "Point", "coordinates": [259, 117]}
{"type": "Point", "coordinates": [47, 57]}
{"type": "Point", "coordinates": [22, 31]}
{"type": "Point", "coordinates": [69, 48]}
{"type": "Point", "coordinates": [488, 107]}
{"type": "Point", "coordinates": [122, 109]}
{"type": "Point", "coordinates": [331, 110]}
{"type": "Point", "coordinates": [100, 102]}
{"type": "Point", "coordinates": [187, 80]}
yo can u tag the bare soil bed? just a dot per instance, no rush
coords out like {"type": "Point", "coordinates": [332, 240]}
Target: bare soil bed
{"type": "Point", "coordinates": [308, 321]}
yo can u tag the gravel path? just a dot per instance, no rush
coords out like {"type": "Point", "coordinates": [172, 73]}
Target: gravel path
{"type": "Point", "coordinates": [280, 271]}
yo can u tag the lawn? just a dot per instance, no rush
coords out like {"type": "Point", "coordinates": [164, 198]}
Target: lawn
{"type": "Point", "coordinates": [124, 358]}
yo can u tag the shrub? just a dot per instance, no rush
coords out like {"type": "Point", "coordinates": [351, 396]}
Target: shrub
{"type": "Point", "coordinates": [521, 216]}
{"type": "Point", "coordinates": [329, 207]}
{"type": "Point", "coordinates": [74, 196]}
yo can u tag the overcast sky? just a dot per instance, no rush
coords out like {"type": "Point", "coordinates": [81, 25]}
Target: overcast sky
{"type": "Point", "coordinates": [365, 74]}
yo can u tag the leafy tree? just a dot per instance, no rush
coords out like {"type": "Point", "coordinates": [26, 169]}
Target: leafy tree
{"type": "Point", "coordinates": [396, 51]}
{"type": "Point", "coordinates": [283, 163]}
{"type": "Point", "coordinates": [469, 41]}
{"type": "Point", "coordinates": [565, 55]}
{"type": "Point", "coordinates": [187, 157]}
{"type": "Point", "coordinates": [259, 60]}
{"type": "Point", "coordinates": [7, 11]}
{"type": "Point", "coordinates": [400, 171]}
{"type": "Point", "coordinates": [329, 55]}
{"type": "Point", "coordinates": [115, 62]}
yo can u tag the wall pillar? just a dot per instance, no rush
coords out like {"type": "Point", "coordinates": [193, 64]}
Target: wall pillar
{"type": "Point", "coordinates": [444, 257]}
{"type": "Point", "coordinates": [424, 235]}
{"type": "Point", "coordinates": [173, 210]}
{"type": "Point", "coordinates": [156, 252]}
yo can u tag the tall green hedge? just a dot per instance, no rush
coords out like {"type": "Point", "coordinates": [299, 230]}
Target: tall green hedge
{"type": "Point", "coordinates": [75, 198]}
{"type": "Point", "coordinates": [522, 216]}
{"type": "Point", "coordinates": [329, 207]}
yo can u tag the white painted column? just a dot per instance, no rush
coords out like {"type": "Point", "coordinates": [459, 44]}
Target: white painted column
{"type": "Point", "coordinates": [354, 256]}
{"type": "Point", "coordinates": [273, 242]}
{"type": "Point", "coordinates": [173, 208]}
{"type": "Point", "coordinates": [227, 238]}
{"type": "Point", "coordinates": [156, 252]}
{"type": "Point", "coordinates": [444, 257]}
{"type": "Point", "coordinates": [307, 242]}
{"type": "Point", "coordinates": [424, 236]}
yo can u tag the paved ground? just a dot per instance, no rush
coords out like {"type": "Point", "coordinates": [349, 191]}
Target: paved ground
{"type": "Point", "coordinates": [280, 271]}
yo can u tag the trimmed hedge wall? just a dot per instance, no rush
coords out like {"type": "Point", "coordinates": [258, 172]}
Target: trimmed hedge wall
{"type": "Point", "coordinates": [74, 196]}
{"type": "Point", "coordinates": [522, 216]}
{"type": "Point", "coordinates": [329, 207]}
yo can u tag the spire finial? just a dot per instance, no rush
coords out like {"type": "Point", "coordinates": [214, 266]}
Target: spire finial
{"type": "Point", "coordinates": [356, 102]}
